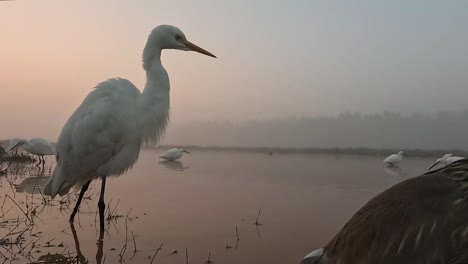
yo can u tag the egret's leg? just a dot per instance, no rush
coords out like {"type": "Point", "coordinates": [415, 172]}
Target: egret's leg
{"type": "Point", "coordinates": [77, 206]}
{"type": "Point", "coordinates": [80, 257]}
{"type": "Point", "coordinates": [101, 204]}
{"type": "Point", "coordinates": [99, 252]}
{"type": "Point", "coordinates": [43, 162]}
{"type": "Point", "coordinates": [39, 163]}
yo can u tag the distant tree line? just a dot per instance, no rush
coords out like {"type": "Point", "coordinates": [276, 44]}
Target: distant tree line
{"type": "Point", "coordinates": [387, 130]}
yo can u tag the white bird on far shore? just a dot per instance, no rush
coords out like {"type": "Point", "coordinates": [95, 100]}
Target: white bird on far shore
{"type": "Point", "coordinates": [174, 154]}
{"type": "Point", "coordinates": [394, 159]}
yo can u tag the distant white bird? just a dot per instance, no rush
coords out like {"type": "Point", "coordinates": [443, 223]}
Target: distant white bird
{"type": "Point", "coordinates": [103, 136]}
{"type": "Point", "coordinates": [394, 159]}
{"type": "Point", "coordinates": [447, 159]}
{"type": "Point", "coordinates": [174, 154]}
{"type": "Point", "coordinates": [35, 146]}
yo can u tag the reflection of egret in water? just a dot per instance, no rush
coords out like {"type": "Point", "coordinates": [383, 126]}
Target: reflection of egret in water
{"type": "Point", "coordinates": [79, 256]}
{"type": "Point", "coordinates": [174, 165]}
{"type": "Point", "coordinates": [55, 258]}
{"type": "Point", "coordinates": [258, 232]}
{"type": "Point", "coordinates": [32, 184]}
{"type": "Point", "coordinates": [395, 171]}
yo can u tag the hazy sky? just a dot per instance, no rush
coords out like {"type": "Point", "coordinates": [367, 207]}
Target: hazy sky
{"type": "Point", "coordinates": [275, 58]}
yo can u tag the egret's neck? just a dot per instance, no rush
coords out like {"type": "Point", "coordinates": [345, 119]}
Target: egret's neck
{"type": "Point", "coordinates": [155, 101]}
{"type": "Point", "coordinates": [157, 81]}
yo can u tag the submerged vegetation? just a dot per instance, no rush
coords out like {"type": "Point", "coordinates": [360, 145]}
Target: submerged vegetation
{"type": "Point", "coordinates": [33, 228]}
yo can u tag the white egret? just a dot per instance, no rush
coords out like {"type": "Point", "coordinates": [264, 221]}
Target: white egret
{"type": "Point", "coordinates": [103, 136]}
{"type": "Point", "coordinates": [36, 146]}
{"type": "Point", "coordinates": [447, 159]}
{"type": "Point", "coordinates": [420, 220]}
{"type": "Point", "coordinates": [174, 154]}
{"type": "Point", "coordinates": [394, 159]}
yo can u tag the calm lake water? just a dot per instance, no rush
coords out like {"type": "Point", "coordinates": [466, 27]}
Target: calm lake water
{"type": "Point", "coordinates": [197, 203]}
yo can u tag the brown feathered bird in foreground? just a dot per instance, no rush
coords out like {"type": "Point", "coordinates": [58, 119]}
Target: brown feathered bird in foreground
{"type": "Point", "coordinates": [422, 220]}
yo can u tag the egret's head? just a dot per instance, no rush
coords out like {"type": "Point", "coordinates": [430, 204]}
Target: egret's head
{"type": "Point", "coordinates": [435, 164]}
{"type": "Point", "coordinates": [167, 37]}
{"type": "Point", "coordinates": [16, 144]}
{"type": "Point", "coordinates": [183, 150]}
{"type": "Point", "coordinates": [402, 153]}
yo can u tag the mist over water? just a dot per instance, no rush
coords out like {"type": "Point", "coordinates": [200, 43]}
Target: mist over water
{"type": "Point", "coordinates": [388, 130]}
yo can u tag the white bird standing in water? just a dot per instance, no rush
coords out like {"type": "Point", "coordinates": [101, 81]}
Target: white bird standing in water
{"type": "Point", "coordinates": [103, 136]}
{"type": "Point", "coordinates": [174, 154]}
{"type": "Point", "coordinates": [36, 146]}
{"type": "Point", "coordinates": [447, 159]}
{"type": "Point", "coordinates": [394, 159]}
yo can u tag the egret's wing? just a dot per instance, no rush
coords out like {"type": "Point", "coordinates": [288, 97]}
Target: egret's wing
{"type": "Point", "coordinates": [101, 137]}
{"type": "Point", "coordinates": [44, 146]}
{"type": "Point", "coordinates": [170, 153]}
{"type": "Point", "coordinates": [420, 220]}
{"type": "Point", "coordinates": [390, 158]}
{"type": "Point", "coordinates": [453, 159]}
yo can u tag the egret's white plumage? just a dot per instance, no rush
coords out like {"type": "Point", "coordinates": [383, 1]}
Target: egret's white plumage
{"type": "Point", "coordinates": [36, 146]}
{"type": "Point", "coordinates": [394, 159]}
{"type": "Point", "coordinates": [447, 159]}
{"type": "Point", "coordinates": [174, 154]}
{"type": "Point", "coordinates": [103, 136]}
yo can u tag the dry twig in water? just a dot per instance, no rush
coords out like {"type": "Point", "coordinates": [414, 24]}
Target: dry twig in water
{"type": "Point", "coordinates": [160, 247]}
{"type": "Point", "coordinates": [209, 259]}
{"type": "Point", "coordinates": [256, 221]}
{"type": "Point", "coordinates": [134, 246]}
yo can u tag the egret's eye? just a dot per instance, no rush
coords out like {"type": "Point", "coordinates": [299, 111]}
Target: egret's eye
{"type": "Point", "coordinates": [178, 37]}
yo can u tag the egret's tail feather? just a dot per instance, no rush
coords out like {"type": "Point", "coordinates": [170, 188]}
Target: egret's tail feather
{"type": "Point", "coordinates": [315, 257]}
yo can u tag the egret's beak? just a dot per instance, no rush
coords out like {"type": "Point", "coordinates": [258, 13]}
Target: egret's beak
{"type": "Point", "coordinates": [15, 146]}
{"type": "Point", "coordinates": [194, 47]}
{"type": "Point", "coordinates": [404, 154]}
{"type": "Point", "coordinates": [434, 165]}
{"type": "Point", "coordinates": [186, 152]}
